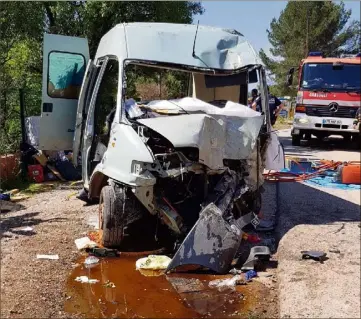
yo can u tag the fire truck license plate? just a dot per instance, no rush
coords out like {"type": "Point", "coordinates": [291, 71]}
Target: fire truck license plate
{"type": "Point", "coordinates": [336, 122]}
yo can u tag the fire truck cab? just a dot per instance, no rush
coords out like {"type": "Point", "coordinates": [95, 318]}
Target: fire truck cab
{"type": "Point", "coordinates": [328, 97]}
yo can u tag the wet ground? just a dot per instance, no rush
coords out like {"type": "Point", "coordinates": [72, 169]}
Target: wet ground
{"type": "Point", "coordinates": [155, 295]}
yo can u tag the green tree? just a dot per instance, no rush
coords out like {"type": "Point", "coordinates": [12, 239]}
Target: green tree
{"type": "Point", "coordinates": [305, 26]}
{"type": "Point", "coordinates": [92, 19]}
{"type": "Point", "coordinates": [22, 25]}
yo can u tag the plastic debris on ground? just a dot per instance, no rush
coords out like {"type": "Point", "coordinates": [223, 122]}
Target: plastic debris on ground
{"type": "Point", "coordinates": [229, 283]}
{"type": "Point", "coordinates": [270, 243]}
{"type": "Point", "coordinates": [103, 252]}
{"type": "Point", "coordinates": [85, 279]}
{"type": "Point", "coordinates": [153, 262]}
{"type": "Point", "coordinates": [328, 181]}
{"type": "Point", "coordinates": [91, 260]}
{"type": "Point", "coordinates": [84, 242]}
{"type": "Point", "coordinates": [315, 255]}
{"type": "Point", "coordinates": [5, 197]}
{"type": "Point", "coordinates": [18, 197]}
{"type": "Point", "coordinates": [235, 271]}
{"type": "Point", "coordinates": [51, 257]}
{"type": "Point", "coordinates": [27, 228]}
{"type": "Point", "coordinates": [251, 238]}
{"type": "Point", "coordinates": [327, 178]}
{"type": "Point", "coordinates": [257, 254]}
{"type": "Point", "coordinates": [13, 192]}
{"type": "Point", "coordinates": [250, 274]}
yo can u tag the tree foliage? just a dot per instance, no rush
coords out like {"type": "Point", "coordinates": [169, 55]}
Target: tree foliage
{"type": "Point", "coordinates": [305, 26]}
{"type": "Point", "coordinates": [22, 25]}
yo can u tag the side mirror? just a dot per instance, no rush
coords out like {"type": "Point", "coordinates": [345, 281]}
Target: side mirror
{"type": "Point", "coordinates": [289, 79]}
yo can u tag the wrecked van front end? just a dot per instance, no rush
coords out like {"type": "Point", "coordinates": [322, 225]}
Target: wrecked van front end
{"type": "Point", "coordinates": [193, 163]}
{"type": "Point", "coordinates": [201, 169]}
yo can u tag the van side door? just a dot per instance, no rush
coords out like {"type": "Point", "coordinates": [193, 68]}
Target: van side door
{"type": "Point", "coordinates": [64, 64]}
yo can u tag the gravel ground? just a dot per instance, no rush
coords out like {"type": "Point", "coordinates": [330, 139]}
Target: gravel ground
{"type": "Point", "coordinates": [312, 218]}
{"type": "Point", "coordinates": [33, 288]}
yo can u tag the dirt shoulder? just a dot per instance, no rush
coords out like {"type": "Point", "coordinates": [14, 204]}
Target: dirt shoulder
{"type": "Point", "coordinates": [324, 220]}
{"type": "Point", "coordinates": [30, 287]}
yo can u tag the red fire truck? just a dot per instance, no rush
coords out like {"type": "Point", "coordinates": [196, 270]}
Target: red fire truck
{"type": "Point", "coordinates": [328, 97]}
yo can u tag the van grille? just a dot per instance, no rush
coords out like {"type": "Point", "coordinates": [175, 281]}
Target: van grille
{"type": "Point", "coordinates": [323, 111]}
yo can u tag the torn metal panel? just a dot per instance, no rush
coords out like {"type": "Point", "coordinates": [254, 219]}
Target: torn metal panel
{"type": "Point", "coordinates": [228, 133]}
{"type": "Point", "coordinates": [255, 177]}
{"type": "Point", "coordinates": [215, 48]}
{"type": "Point", "coordinates": [212, 243]}
{"type": "Point", "coordinates": [146, 196]}
{"type": "Point", "coordinates": [224, 192]}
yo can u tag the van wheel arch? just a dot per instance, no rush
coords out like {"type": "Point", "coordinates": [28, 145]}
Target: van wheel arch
{"type": "Point", "coordinates": [97, 182]}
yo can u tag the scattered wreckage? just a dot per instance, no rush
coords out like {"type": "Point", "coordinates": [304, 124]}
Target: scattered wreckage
{"type": "Point", "coordinates": [194, 163]}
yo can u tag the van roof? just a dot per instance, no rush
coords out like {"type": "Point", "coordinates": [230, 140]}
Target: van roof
{"type": "Point", "coordinates": [215, 48]}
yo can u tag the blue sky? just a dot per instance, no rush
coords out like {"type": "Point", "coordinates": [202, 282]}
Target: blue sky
{"type": "Point", "coordinates": [252, 18]}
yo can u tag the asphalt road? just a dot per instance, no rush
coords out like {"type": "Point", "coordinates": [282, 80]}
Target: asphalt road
{"type": "Point", "coordinates": [318, 218]}
{"type": "Point", "coordinates": [333, 149]}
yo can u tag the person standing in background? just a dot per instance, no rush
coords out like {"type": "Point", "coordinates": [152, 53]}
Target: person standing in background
{"type": "Point", "coordinates": [254, 94]}
{"type": "Point", "coordinates": [274, 104]}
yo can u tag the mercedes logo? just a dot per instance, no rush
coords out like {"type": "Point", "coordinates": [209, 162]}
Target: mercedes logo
{"type": "Point", "coordinates": [333, 107]}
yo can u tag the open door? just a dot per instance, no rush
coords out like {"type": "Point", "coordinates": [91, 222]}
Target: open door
{"type": "Point", "coordinates": [64, 65]}
{"type": "Point", "coordinates": [82, 110]}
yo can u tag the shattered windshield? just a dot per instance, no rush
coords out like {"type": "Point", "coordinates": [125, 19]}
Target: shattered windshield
{"type": "Point", "coordinates": [326, 76]}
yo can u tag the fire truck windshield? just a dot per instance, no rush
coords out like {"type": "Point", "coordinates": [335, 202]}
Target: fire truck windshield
{"type": "Point", "coordinates": [326, 76]}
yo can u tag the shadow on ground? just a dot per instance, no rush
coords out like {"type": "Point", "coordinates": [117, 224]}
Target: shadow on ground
{"type": "Point", "coordinates": [10, 224]}
{"type": "Point", "coordinates": [302, 204]}
{"type": "Point", "coordinates": [308, 147]}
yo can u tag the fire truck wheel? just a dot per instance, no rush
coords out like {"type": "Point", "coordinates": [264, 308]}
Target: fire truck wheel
{"type": "Point", "coordinates": [347, 138]}
{"type": "Point", "coordinates": [296, 140]}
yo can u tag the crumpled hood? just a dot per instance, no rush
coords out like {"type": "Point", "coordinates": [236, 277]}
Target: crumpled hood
{"type": "Point", "coordinates": [216, 136]}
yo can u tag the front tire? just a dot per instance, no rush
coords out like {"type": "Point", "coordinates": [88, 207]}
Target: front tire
{"type": "Point", "coordinates": [110, 217]}
{"type": "Point", "coordinates": [124, 221]}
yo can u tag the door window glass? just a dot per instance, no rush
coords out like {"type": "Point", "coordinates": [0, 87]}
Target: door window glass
{"type": "Point", "coordinates": [106, 99]}
{"type": "Point", "coordinates": [65, 74]}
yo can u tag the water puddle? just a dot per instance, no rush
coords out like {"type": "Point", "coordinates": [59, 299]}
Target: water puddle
{"type": "Point", "coordinates": [152, 295]}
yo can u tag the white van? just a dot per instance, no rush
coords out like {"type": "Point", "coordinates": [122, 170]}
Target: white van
{"type": "Point", "coordinates": [161, 160]}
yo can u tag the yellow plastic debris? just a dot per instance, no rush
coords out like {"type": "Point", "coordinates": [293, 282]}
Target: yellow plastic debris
{"type": "Point", "coordinates": [153, 262]}
{"type": "Point", "coordinates": [19, 198]}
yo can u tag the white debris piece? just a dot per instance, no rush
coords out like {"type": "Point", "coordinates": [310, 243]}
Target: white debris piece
{"type": "Point", "coordinates": [153, 262]}
{"type": "Point", "coordinates": [229, 283]}
{"type": "Point", "coordinates": [91, 260]}
{"type": "Point", "coordinates": [85, 279]}
{"type": "Point", "coordinates": [27, 228]}
{"type": "Point", "coordinates": [52, 257]}
{"type": "Point", "coordinates": [84, 242]}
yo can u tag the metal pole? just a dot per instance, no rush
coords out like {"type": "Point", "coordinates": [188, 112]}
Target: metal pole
{"type": "Point", "coordinates": [23, 164]}
{"type": "Point", "coordinates": [22, 116]}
